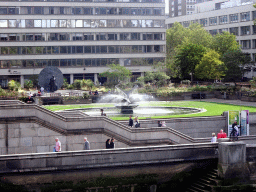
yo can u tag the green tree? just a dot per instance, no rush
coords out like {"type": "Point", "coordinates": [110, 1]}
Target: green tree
{"type": "Point", "coordinates": [234, 62]}
{"type": "Point", "coordinates": [188, 56]}
{"type": "Point", "coordinates": [14, 85]}
{"type": "Point", "coordinates": [117, 73]}
{"type": "Point", "coordinates": [177, 36]}
{"type": "Point", "coordinates": [34, 79]}
{"type": "Point", "coordinates": [28, 84]}
{"type": "Point", "coordinates": [210, 66]}
{"type": "Point", "coordinates": [87, 83]}
{"type": "Point", "coordinates": [224, 42]}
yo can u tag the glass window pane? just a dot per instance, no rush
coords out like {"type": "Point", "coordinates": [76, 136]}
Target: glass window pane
{"type": "Point", "coordinates": [62, 23]}
{"type": "Point", "coordinates": [12, 23]}
{"type": "Point", "coordinates": [21, 23]}
{"type": "Point", "coordinates": [79, 23]}
{"type": "Point", "coordinates": [54, 23]}
{"type": "Point", "coordinates": [87, 23]}
{"type": "Point", "coordinates": [37, 23]}
{"type": "Point", "coordinates": [29, 23]}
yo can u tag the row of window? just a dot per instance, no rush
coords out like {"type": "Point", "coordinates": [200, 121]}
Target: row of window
{"type": "Point", "coordinates": [121, 1]}
{"type": "Point", "coordinates": [81, 36]}
{"type": "Point", "coordinates": [244, 30]}
{"type": "Point", "coordinates": [80, 11]}
{"type": "Point", "coordinates": [233, 18]}
{"type": "Point", "coordinates": [77, 62]}
{"type": "Point", "coordinates": [79, 23]}
{"type": "Point", "coordinates": [81, 49]}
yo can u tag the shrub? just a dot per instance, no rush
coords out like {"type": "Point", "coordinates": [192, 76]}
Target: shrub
{"type": "Point", "coordinates": [77, 84]}
{"type": "Point", "coordinates": [28, 84]}
{"type": "Point", "coordinates": [86, 95]}
{"type": "Point", "coordinates": [14, 85]}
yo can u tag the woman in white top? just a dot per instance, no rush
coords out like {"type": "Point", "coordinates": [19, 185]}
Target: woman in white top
{"type": "Point", "coordinates": [214, 138]}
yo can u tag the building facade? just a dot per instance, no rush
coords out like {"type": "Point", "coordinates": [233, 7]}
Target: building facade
{"type": "Point", "coordinates": [80, 37]}
{"type": "Point", "coordinates": [181, 7]}
{"type": "Point", "coordinates": [238, 19]}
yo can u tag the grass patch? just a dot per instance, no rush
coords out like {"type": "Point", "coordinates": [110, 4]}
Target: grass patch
{"type": "Point", "coordinates": [211, 108]}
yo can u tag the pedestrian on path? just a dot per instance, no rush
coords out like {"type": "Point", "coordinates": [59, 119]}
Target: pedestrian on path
{"type": "Point", "coordinates": [57, 145]}
{"type": "Point", "coordinates": [86, 144]}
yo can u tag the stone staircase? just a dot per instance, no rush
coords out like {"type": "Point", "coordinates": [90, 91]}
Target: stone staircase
{"type": "Point", "coordinates": [72, 114]}
{"type": "Point", "coordinates": [205, 183]}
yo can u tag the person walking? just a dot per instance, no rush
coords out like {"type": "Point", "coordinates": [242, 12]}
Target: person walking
{"type": "Point", "coordinates": [130, 121]}
{"type": "Point", "coordinates": [136, 122]}
{"type": "Point", "coordinates": [86, 144]}
{"type": "Point", "coordinates": [112, 144]}
{"type": "Point", "coordinates": [221, 134]}
{"type": "Point", "coordinates": [108, 144]}
{"type": "Point", "coordinates": [214, 138]}
{"type": "Point", "coordinates": [57, 145]}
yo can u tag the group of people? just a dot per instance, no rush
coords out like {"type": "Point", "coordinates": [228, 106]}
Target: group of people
{"type": "Point", "coordinates": [95, 93]}
{"type": "Point", "coordinates": [221, 134]}
{"type": "Point", "coordinates": [57, 147]}
{"type": "Point", "coordinates": [110, 143]}
{"type": "Point", "coordinates": [161, 124]}
{"type": "Point", "coordinates": [134, 123]}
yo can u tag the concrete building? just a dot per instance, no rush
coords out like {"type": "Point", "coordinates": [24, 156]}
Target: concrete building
{"type": "Point", "coordinates": [181, 7]}
{"type": "Point", "coordinates": [237, 17]}
{"type": "Point", "coordinates": [80, 37]}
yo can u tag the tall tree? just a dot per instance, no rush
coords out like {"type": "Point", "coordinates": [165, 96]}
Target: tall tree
{"type": "Point", "coordinates": [224, 42]}
{"type": "Point", "coordinates": [117, 73]}
{"type": "Point", "coordinates": [234, 61]}
{"type": "Point", "coordinates": [210, 66]}
{"type": "Point", "coordinates": [188, 56]}
{"type": "Point", "coordinates": [177, 36]}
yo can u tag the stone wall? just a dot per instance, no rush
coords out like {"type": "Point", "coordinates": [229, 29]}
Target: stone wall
{"type": "Point", "coordinates": [33, 138]}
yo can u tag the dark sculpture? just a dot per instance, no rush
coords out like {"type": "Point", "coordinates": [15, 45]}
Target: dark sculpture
{"type": "Point", "coordinates": [52, 84]}
{"type": "Point", "coordinates": [51, 79]}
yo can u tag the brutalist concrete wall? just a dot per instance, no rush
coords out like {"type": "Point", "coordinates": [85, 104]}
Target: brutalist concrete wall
{"type": "Point", "coordinates": [197, 127]}
{"type": "Point", "coordinates": [232, 161]}
{"type": "Point", "coordinates": [20, 138]}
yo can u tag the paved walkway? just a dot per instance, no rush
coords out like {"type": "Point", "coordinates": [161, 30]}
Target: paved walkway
{"type": "Point", "coordinates": [234, 102]}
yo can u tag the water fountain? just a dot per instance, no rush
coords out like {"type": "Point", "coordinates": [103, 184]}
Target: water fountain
{"type": "Point", "coordinates": [131, 103]}
{"type": "Point", "coordinates": [126, 105]}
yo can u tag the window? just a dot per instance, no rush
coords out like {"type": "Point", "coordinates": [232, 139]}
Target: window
{"type": "Point", "coordinates": [233, 18]}
{"type": "Point", "coordinates": [62, 23]}
{"type": "Point", "coordinates": [37, 23]}
{"type": "Point", "coordinates": [223, 19]}
{"type": "Point", "coordinates": [79, 23]}
{"type": "Point", "coordinates": [245, 30]}
{"type": "Point", "coordinates": [234, 30]}
{"type": "Point", "coordinates": [222, 30]}
{"type": "Point", "coordinates": [203, 22]}
{"type": "Point", "coordinates": [246, 44]}
{"type": "Point", "coordinates": [213, 32]}
{"type": "Point", "coordinates": [12, 23]}
{"type": "Point", "coordinates": [3, 23]}
{"type": "Point", "coordinates": [213, 21]}
{"type": "Point", "coordinates": [29, 23]}
{"type": "Point", "coordinates": [88, 36]}
{"type": "Point", "coordinates": [245, 16]}
{"type": "Point", "coordinates": [54, 23]}
{"type": "Point", "coordinates": [186, 23]}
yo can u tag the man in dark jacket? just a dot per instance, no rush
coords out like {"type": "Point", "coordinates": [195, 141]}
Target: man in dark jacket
{"type": "Point", "coordinates": [130, 121]}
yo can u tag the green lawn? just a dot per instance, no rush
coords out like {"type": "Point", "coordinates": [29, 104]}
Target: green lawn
{"type": "Point", "coordinates": [211, 109]}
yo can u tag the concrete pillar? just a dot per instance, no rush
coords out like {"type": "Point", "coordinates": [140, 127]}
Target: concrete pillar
{"type": "Point", "coordinates": [142, 74]}
{"type": "Point", "coordinates": [95, 78]}
{"type": "Point", "coordinates": [22, 81]}
{"type": "Point", "coordinates": [232, 161]}
{"type": "Point", "coordinates": [71, 78]}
